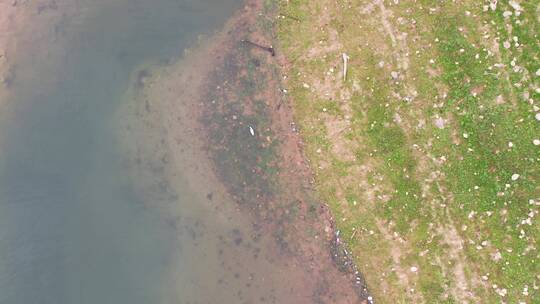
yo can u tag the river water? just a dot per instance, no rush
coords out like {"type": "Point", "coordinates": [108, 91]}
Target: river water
{"type": "Point", "coordinates": [74, 225]}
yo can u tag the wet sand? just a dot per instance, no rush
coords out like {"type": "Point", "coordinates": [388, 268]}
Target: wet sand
{"type": "Point", "coordinates": [206, 112]}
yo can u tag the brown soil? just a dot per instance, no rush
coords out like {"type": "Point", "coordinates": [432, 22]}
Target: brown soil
{"type": "Point", "coordinates": [256, 152]}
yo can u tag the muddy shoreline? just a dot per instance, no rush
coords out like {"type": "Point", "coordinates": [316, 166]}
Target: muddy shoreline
{"type": "Point", "coordinates": [240, 107]}
{"type": "Point", "coordinates": [240, 114]}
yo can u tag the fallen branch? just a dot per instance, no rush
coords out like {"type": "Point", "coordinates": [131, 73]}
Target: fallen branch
{"type": "Point", "coordinates": [345, 61]}
{"type": "Point", "coordinates": [269, 49]}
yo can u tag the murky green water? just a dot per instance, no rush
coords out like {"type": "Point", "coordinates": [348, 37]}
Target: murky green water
{"type": "Point", "coordinates": [74, 227]}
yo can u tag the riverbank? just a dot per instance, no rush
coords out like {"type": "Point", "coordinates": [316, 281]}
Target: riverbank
{"type": "Point", "coordinates": [426, 145]}
{"type": "Point", "coordinates": [228, 94]}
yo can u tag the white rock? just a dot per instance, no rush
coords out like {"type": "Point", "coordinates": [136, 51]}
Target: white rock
{"type": "Point", "coordinates": [439, 122]}
{"type": "Point", "coordinates": [536, 142]}
{"type": "Point", "coordinates": [515, 5]}
{"type": "Point", "coordinates": [515, 176]}
{"type": "Point", "coordinates": [538, 72]}
{"type": "Point", "coordinates": [537, 116]}
{"type": "Point", "coordinates": [414, 269]}
{"type": "Point", "coordinates": [510, 144]}
{"type": "Point", "coordinates": [465, 135]}
{"type": "Point", "coordinates": [497, 256]}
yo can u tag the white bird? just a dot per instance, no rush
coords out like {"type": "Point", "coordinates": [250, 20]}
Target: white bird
{"type": "Point", "coordinates": [251, 131]}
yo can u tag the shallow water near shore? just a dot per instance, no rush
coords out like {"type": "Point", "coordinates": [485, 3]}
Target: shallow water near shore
{"type": "Point", "coordinates": [78, 224]}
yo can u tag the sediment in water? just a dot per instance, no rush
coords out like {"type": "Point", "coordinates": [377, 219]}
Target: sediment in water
{"type": "Point", "coordinates": [230, 99]}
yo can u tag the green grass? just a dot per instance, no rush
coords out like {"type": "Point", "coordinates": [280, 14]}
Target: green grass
{"type": "Point", "coordinates": [472, 191]}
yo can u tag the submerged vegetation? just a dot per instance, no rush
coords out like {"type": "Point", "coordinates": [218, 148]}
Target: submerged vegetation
{"type": "Point", "coordinates": [427, 150]}
{"type": "Point", "coordinates": [237, 118]}
{"type": "Point", "coordinates": [256, 152]}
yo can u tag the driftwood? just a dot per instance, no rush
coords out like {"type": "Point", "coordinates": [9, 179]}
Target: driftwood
{"type": "Point", "coordinates": [345, 62]}
{"type": "Point", "coordinates": [269, 49]}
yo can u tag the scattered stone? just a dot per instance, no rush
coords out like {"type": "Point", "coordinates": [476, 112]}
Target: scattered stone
{"type": "Point", "coordinates": [515, 177]}
{"type": "Point", "coordinates": [440, 122]}
{"type": "Point", "coordinates": [515, 5]}
{"type": "Point", "coordinates": [497, 256]}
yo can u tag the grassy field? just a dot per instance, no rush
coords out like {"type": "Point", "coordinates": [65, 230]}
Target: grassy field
{"type": "Point", "coordinates": [428, 149]}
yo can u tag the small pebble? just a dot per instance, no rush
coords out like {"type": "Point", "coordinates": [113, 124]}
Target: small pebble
{"type": "Point", "coordinates": [515, 176]}
{"type": "Point", "coordinates": [536, 142]}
